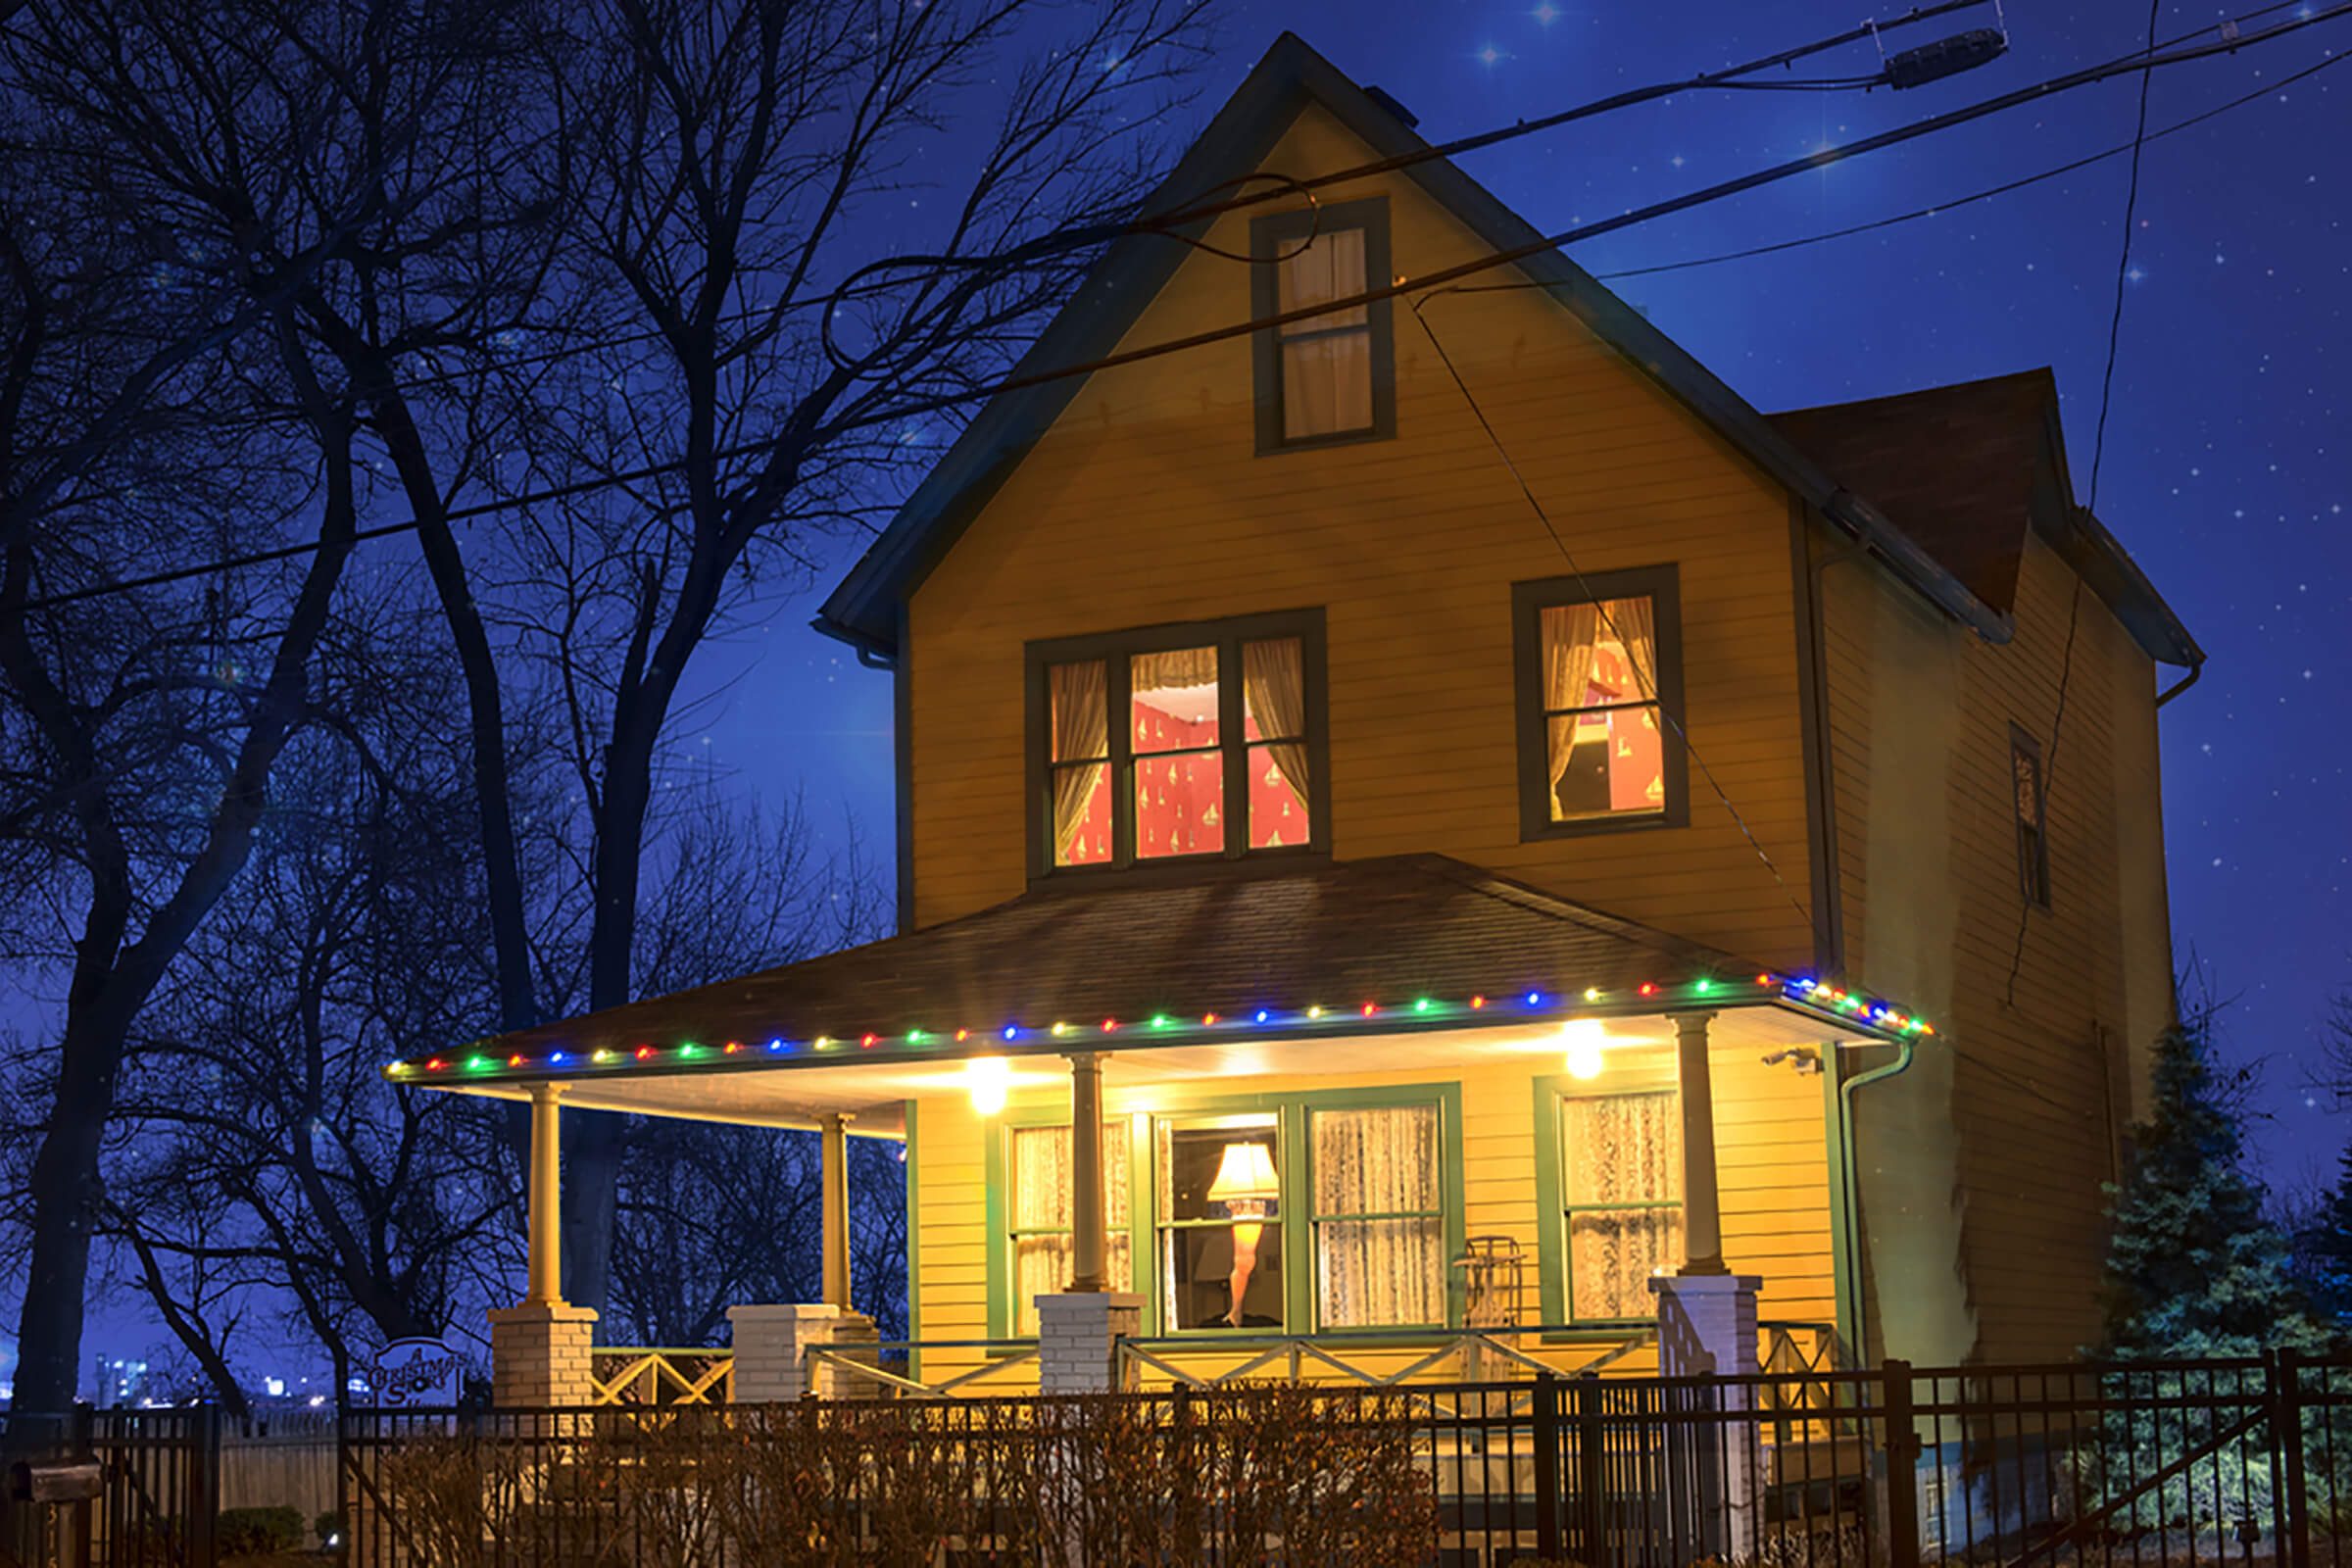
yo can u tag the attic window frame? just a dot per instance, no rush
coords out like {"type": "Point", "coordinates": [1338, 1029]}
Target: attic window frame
{"type": "Point", "coordinates": [2033, 862]}
{"type": "Point", "coordinates": [1272, 236]}
{"type": "Point", "coordinates": [1114, 649]}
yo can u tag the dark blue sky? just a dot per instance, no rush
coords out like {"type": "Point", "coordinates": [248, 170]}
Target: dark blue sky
{"type": "Point", "coordinates": [2227, 476]}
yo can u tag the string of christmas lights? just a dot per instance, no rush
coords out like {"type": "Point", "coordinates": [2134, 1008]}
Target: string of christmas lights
{"type": "Point", "coordinates": [1421, 1011]}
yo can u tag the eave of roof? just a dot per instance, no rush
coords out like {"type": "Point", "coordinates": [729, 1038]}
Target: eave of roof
{"type": "Point", "coordinates": [862, 609]}
{"type": "Point", "coordinates": [1399, 942]}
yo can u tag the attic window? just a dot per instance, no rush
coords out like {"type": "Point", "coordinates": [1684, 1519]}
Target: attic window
{"type": "Point", "coordinates": [1329, 377]}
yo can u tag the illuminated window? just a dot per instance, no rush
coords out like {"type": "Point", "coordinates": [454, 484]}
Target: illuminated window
{"type": "Point", "coordinates": [1037, 1231]}
{"type": "Point", "coordinates": [1216, 752]}
{"type": "Point", "coordinates": [1621, 1172]}
{"type": "Point", "coordinates": [1600, 683]}
{"type": "Point", "coordinates": [1331, 376]}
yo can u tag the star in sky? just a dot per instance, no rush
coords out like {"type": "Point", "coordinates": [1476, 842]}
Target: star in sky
{"type": "Point", "coordinates": [1545, 13]}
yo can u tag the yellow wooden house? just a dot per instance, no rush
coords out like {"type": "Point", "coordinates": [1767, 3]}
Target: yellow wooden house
{"type": "Point", "coordinates": [1422, 826]}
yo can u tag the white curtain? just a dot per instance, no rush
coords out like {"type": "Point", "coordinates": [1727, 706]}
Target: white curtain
{"type": "Point", "coordinates": [1327, 377]}
{"type": "Point", "coordinates": [1620, 1149]}
{"type": "Point", "coordinates": [1042, 1171]}
{"type": "Point", "coordinates": [1373, 1273]}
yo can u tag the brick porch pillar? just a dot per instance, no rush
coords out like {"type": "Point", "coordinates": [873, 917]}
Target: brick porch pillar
{"type": "Point", "coordinates": [1077, 1339]}
{"type": "Point", "coordinates": [1707, 1328]}
{"type": "Point", "coordinates": [772, 1352]}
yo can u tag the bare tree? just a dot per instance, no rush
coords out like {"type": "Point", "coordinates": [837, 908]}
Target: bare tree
{"type": "Point", "coordinates": [752, 159]}
{"type": "Point", "coordinates": [228, 131]}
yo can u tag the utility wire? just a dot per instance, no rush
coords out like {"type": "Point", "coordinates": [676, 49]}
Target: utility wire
{"type": "Point", "coordinates": [1021, 380]}
{"type": "Point", "coordinates": [1171, 223]}
{"type": "Point", "coordinates": [2098, 453]}
{"type": "Point", "coordinates": [1957, 202]}
{"type": "Point", "coordinates": [1646, 684]}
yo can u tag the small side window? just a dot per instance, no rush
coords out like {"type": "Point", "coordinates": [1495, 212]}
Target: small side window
{"type": "Point", "coordinates": [2029, 803]}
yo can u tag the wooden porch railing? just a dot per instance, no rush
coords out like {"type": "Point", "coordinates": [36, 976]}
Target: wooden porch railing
{"type": "Point", "coordinates": [638, 1374]}
{"type": "Point", "coordinates": [859, 1360]}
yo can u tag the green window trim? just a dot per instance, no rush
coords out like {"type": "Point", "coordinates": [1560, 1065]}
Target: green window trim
{"type": "Point", "coordinates": [1291, 1111]}
{"type": "Point", "coordinates": [997, 1194]}
{"type": "Point", "coordinates": [1554, 1210]}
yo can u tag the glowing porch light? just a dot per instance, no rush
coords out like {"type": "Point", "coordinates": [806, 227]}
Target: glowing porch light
{"type": "Point", "coordinates": [1583, 1038]}
{"type": "Point", "coordinates": [987, 1078]}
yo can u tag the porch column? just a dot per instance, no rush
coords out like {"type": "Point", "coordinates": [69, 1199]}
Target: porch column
{"type": "Point", "coordinates": [1086, 1171]}
{"type": "Point", "coordinates": [546, 1278]}
{"type": "Point", "coordinates": [833, 1231]}
{"type": "Point", "coordinates": [540, 1349]}
{"type": "Point", "coordinates": [1702, 1213]}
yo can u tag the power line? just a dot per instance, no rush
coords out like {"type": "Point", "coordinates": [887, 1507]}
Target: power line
{"type": "Point", "coordinates": [1022, 380]}
{"type": "Point", "coordinates": [1173, 221]}
{"type": "Point", "coordinates": [1989, 193]}
{"type": "Point", "coordinates": [1648, 686]}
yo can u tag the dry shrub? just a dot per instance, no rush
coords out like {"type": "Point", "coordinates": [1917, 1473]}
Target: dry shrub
{"type": "Point", "coordinates": [1271, 1474]}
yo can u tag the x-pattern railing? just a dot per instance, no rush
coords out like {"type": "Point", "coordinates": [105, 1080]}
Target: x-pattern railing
{"type": "Point", "coordinates": [862, 1361]}
{"type": "Point", "coordinates": [637, 1374]}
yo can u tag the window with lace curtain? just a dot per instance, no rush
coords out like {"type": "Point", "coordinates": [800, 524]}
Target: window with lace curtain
{"type": "Point", "coordinates": [1327, 377]}
{"type": "Point", "coordinates": [1621, 1201]}
{"type": "Point", "coordinates": [1600, 702]}
{"type": "Point", "coordinates": [1171, 744]}
{"type": "Point", "coordinates": [1037, 1231]}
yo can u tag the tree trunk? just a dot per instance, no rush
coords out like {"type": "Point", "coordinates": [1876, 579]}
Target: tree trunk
{"type": "Point", "coordinates": [66, 1196]}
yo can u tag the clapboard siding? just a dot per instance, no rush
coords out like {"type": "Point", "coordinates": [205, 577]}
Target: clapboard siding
{"type": "Point", "coordinates": [1144, 503]}
{"type": "Point", "coordinates": [1770, 1145]}
{"type": "Point", "coordinates": [2032, 1105]}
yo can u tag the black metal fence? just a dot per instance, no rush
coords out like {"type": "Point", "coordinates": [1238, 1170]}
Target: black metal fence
{"type": "Point", "coordinates": [156, 1492]}
{"type": "Point", "coordinates": [2176, 1463]}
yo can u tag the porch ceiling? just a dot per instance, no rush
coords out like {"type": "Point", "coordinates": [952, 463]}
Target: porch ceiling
{"type": "Point", "coordinates": [874, 1090]}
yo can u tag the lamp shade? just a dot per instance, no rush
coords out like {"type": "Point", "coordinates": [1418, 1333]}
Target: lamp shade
{"type": "Point", "coordinates": [1246, 1174]}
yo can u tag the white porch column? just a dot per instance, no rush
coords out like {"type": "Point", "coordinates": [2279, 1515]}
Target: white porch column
{"type": "Point", "coordinates": [1703, 1212]}
{"type": "Point", "coordinates": [833, 1231]}
{"type": "Point", "coordinates": [1707, 1328]}
{"type": "Point", "coordinates": [1086, 1172]}
{"type": "Point", "coordinates": [546, 1219]}
{"type": "Point", "coordinates": [1078, 1334]}
{"type": "Point", "coordinates": [540, 1350]}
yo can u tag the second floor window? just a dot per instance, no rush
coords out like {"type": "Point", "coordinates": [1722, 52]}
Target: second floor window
{"type": "Point", "coordinates": [1179, 744]}
{"type": "Point", "coordinates": [1600, 701]}
{"type": "Point", "coordinates": [2032, 817]}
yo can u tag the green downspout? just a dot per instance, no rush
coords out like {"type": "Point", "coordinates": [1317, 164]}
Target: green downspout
{"type": "Point", "coordinates": [1852, 1282]}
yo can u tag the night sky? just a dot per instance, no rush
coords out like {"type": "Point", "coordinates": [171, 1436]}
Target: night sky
{"type": "Point", "coordinates": [2227, 474]}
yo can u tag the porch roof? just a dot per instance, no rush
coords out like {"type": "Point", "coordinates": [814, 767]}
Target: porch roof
{"type": "Point", "coordinates": [1408, 944]}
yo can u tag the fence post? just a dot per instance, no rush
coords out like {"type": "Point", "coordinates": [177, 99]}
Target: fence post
{"type": "Point", "coordinates": [81, 1525]}
{"type": "Point", "coordinates": [2283, 1370]}
{"type": "Point", "coordinates": [1902, 1464]}
{"type": "Point", "coordinates": [1547, 1464]}
{"type": "Point", "coordinates": [1591, 1470]}
{"type": "Point", "coordinates": [204, 1485]}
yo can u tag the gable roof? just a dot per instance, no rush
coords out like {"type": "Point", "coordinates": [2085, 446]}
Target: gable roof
{"type": "Point", "coordinates": [1390, 929]}
{"type": "Point", "coordinates": [864, 609]}
{"type": "Point", "coordinates": [1965, 470]}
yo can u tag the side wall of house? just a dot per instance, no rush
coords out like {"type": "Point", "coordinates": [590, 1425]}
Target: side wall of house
{"type": "Point", "coordinates": [1771, 1150]}
{"type": "Point", "coordinates": [1146, 504]}
{"type": "Point", "coordinates": [1980, 1166]}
